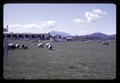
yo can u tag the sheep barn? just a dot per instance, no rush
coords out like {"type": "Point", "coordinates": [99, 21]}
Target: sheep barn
{"type": "Point", "coordinates": [26, 36]}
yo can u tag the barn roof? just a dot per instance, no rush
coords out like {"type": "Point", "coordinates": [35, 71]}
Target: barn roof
{"type": "Point", "coordinates": [25, 33]}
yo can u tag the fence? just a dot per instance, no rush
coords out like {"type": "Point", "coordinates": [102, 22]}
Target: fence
{"type": "Point", "coordinates": [5, 49]}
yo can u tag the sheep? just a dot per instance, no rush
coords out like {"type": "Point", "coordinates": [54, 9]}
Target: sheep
{"type": "Point", "coordinates": [87, 42]}
{"type": "Point", "coordinates": [47, 44]}
{"type": "Point", "coordinates": [40, 45]}
{"type": "Point", "coordinates": [105, 43]}
{"type": "Point", "coordinates": [17, 45]}
{"type": "Point", "coordinates": [50, 47]}
{"type": "Point", "coordinates": [24, 46]}
{"type": "Point", "coordinates": [11, 46]}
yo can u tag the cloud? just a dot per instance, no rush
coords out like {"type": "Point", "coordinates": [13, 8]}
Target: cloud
{"type": "Point", "coordinates": [15, 25]}
{"type": "Point", "coordinates": [49, 24]}
{"type": "Point", "coordinates": [35, 27]}
{"type": "Point", "coordinates": [29, 25]}
{"type": "Point", "coordinates": [94, 14]}
{"type": "Point", "coordinates": [77, 20]}
{"type": "Point", "coordinates": [91, 16]}
{"type": "Point", "coordinates": [99, 11]}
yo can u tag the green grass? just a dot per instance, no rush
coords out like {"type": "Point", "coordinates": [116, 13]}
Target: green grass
{"type": "Point", "coordinates": [68, 60]}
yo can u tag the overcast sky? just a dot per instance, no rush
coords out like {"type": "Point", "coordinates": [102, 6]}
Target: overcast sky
{"type": "Point", "coordinates": [75, 19]}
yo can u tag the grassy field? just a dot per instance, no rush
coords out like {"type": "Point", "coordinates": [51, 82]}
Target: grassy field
{"type": "Point", "coordinates": [68, 60]}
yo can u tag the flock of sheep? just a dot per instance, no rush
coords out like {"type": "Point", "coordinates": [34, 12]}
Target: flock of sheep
{"type": "Point", "coordinates": [14, 46]}
{"type": "Point", "coordinates": [40, 45]}
{"type": "Point", "coordinates": [48, 45]}
{"type": "Point", "coordinates": [24, 46]}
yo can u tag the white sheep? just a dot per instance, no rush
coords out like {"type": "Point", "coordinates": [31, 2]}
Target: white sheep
{"type": "Point", "coordinates": [47, 44]}
{"type": "Point", "coordinates": [40, 45]}
{"type": "Point", "coordinates": [50, 47]}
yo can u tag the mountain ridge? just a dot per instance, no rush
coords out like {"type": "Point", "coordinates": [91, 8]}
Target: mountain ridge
{"type": "Point", "coordinates": [93, 36]}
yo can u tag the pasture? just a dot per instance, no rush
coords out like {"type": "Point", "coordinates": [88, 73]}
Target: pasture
{"type": "Point", "coordinates": [68, 60]}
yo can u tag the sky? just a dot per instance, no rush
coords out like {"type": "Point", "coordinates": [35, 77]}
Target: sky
{"type": "Point", "coordinates": [75, 19]}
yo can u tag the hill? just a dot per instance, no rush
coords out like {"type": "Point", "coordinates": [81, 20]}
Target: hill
{"type": "Point", "coordinates": [93, 36]}
{"type": "Point", "coordinates": [59, 33]}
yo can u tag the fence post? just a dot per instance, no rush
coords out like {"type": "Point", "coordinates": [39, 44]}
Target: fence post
{"type": "Point", "coordinates": [5, 49]}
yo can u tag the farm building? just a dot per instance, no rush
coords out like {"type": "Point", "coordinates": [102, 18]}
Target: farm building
{"type": "Point", "coordinates": [43, 36]}
{"type": "Point", "coordinates": [61, 38]}
{"type": "Point", "coordinates": [68, 38]}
